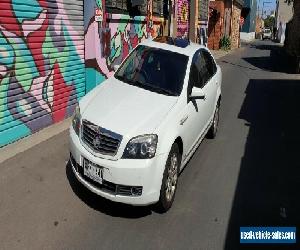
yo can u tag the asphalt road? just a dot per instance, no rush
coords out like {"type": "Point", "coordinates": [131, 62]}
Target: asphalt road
{"type": "Point", "coordinates": [248, 176]}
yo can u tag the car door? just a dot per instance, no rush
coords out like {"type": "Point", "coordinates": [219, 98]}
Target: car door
{"type": "Point", "coordinates": [211, 84]}
{"type": "Point", "coordinates": [193, 117]}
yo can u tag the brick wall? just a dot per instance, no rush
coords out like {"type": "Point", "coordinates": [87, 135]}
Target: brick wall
{"type": "Point", "coordinates": [215, 24]}
{"type": "Point", "coordinates": [235, 31]}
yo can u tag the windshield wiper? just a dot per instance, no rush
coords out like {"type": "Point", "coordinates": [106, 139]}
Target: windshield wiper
{"type": "Point", "coordinates": [158, 89]}
{"type": "Point", "coordinates": [146, 86]}
{"type": "Point", "coordinates": [121, 78]}
{"type": "Point", "coordinates": [129, 81]}
{"type": "Point", "coordinates": [124, 79]}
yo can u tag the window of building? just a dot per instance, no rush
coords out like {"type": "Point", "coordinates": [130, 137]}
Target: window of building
{"type": "Point", "coordinates": [131, 7]}
{"type": "Point", "coordinates": [157, 7]}
{"type": "Point", "coordinates": [203, 10]}
{"type": "Point", "coordinates": [116, 6]}
{"type": "Point", "coordinates": [160, 8]}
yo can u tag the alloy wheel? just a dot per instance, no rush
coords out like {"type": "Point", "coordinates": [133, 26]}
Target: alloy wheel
{"type": "Point", "coordinates": [172, 177]}
{"type": "Point", "coordinates": [216, 120]}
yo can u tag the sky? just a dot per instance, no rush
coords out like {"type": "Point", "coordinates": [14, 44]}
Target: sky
{"type": "Point", "coordinates": [269, 5]}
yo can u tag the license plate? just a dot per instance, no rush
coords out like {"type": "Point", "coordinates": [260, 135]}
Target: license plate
{"type": "Point", "coordinates": [92, 171]}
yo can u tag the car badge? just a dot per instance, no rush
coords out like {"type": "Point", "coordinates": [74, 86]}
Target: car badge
{"type": "Point", "coordinates": [96, 142]}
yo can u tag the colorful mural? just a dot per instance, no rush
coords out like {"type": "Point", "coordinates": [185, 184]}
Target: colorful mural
{"type": "Point", "coordinates": [183, 18]}
{"type": "Point", "coordinates": [50, 56]}
{"type": "Point", "coordinates": [41, 64]}
{"type": "Point", "coordinates": [107, 43]}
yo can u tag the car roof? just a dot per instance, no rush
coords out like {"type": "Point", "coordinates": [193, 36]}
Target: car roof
{"type": "Point", "coordinates": [188, 50]}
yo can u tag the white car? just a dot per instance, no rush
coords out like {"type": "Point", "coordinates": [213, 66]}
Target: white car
{"type": "Point", "coordinates": [267, 34]}
{"type": "Point", "coordinates": [132, 135]}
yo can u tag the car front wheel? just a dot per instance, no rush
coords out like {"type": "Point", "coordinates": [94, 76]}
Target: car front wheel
{"type": "Point", "coordinates": [169, 181]}
{"type": "Point", "coordinates": [212, 132]}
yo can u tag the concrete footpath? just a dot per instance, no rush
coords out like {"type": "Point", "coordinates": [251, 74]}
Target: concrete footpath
{"type": "Point", "coordinates": [26, 143]}
{"type": "Point", "coordinates": [220, 53]}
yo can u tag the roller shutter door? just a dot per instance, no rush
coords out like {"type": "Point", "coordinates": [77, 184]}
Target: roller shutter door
{"type": "Point", "coordinates": [41, 64]}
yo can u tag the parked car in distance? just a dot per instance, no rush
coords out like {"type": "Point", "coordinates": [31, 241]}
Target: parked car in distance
{"type": "Point", "coordinates": [132, 135]}
{"type": "Point", "coordinates": [267, 34]}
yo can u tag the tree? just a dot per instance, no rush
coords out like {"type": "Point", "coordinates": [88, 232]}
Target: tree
{"type": "Point", "coordinates": [269, 22]}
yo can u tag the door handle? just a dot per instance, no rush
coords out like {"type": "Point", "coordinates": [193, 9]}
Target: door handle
{"type": "Point", "coordinates": [183, 120]}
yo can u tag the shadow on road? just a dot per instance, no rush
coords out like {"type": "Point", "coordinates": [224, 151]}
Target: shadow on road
{"type": "Point", "coordinates": [238, 65]}
{"type": "Point", "coordinates": [267, 191]}
{"type": "Point", "coordinates": [103, 205]}
{"type": "Point", "coordinates": [278, 61]}
{"type": "Point", "coordinates": [264, 63]}
{"type": "Point", "coordinates": [270, 46]}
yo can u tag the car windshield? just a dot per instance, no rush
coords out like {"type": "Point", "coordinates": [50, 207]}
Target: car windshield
{"type": "Point", "coordinates": [154, 69]}
{"type": "Point", "coordinates": [267, 31]}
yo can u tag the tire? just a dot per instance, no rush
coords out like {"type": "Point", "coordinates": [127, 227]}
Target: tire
{"type": "Point", "coordinates": [169, 180]}
{"type": "Point", "coordinates": [212, 132]}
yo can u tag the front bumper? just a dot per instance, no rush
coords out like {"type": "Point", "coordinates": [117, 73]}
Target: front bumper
{"type": "Point", "coordinates": [145, 173]}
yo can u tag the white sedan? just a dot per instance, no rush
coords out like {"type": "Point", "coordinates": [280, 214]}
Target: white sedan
{"type": "Point", "coordinates": [267, 34]}
{"type": "Point", "coordinates": [132, 135]}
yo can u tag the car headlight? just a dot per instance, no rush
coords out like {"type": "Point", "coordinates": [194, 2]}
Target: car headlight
{"type": "Point", "coordinates": [76, 120]}
{"type": "Point", "coordinates": [141, 147]}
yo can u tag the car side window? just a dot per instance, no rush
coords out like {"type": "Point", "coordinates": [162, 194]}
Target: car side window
{"type": "Point", "coordinates": [194, 72]}
{"type": "Point", "coordinates": [203, 67]}
{"type": "Point", "coordinates": [210, 63]}
{"type": "Point", "coordinates": [198, 71]}
{"type": "Point", "coordinates": [204, 73]}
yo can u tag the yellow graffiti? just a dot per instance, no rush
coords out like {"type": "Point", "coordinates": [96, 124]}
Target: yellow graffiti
{"type": "Point", "coordinates": [184, 13]}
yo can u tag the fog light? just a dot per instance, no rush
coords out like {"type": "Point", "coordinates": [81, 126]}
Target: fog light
{"type": "Point", "coordinates": [136, 191]}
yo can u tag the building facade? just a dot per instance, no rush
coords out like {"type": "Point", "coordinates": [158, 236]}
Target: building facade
{"type": "Point", "coordinates": [259, 27]}
{"type": "Point", "coordinates": [224, 20]}
{"type": "Point", "coordinates": [249, 26]}
{"type": "Point", "coordinates": [292, 39]}
{"type": "Point", "coordinates": [199, 21]}
{"type": "Point", "coordinates": [283, 15]}
{"type": "Point", "coordinates": [52, 52]}
{"type": "Point", "coordinates": [123, 26]}
{"type": "Point", "coordinates": [236, 11]}
{"type": "Point", "coordinates": [216, 23]}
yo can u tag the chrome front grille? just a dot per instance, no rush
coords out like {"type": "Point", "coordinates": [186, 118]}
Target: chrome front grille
{"type": "Point", "coordinates": [99, 139]}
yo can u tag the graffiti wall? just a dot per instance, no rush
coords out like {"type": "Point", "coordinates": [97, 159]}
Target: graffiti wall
{"type": "Point", "coordinates": [42, 72]}
{"type": "Point", "coordinates": [107, 43]}
{"type": "Point", "coordinates": [183, 18]}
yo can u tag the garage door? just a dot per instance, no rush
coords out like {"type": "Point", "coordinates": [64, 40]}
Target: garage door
{"type": "Point", "coordinates": [41, 64]}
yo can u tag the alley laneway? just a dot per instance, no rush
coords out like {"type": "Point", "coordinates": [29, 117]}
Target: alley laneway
{"type": "Point", "coordinates": [249, 175]}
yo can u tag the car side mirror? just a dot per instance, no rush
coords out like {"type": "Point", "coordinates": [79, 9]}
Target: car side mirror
{"type": "Point", "coordinates": [197, 93]}
{"type": "Point", "coordinates": [116, 67]}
